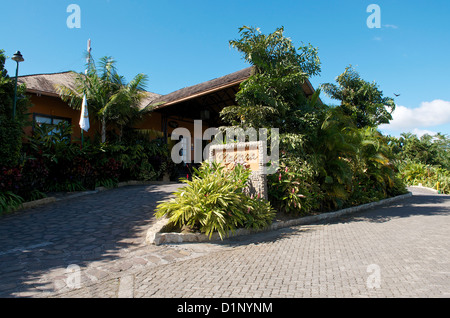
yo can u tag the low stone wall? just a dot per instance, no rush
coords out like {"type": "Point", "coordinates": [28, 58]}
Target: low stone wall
{"type": "Point", "coordinates": [47, 200]}
{"type": "Point", "coordinates": [156, 237]}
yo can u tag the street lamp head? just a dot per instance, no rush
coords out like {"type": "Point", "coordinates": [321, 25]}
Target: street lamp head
{"type": "Point", "coordinates": [18, 57]}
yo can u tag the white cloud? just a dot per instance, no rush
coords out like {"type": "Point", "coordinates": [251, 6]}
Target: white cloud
{"type": "Point", "coordinates": [390, 26]}
{"type": "Point", "coordinates": [428, 115]}
{"type": "Point", "coordinates": [420, 132]}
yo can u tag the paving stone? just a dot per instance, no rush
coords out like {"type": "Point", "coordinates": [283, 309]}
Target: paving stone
{"type": "Point", "coordinates": [104, 234]}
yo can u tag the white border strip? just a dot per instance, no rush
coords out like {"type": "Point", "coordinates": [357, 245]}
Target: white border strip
{"type": "Point", "coordinates": [154, 236]}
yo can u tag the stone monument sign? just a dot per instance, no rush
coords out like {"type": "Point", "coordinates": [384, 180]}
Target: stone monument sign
{"type": "Point", "coordinates": [249, 154]}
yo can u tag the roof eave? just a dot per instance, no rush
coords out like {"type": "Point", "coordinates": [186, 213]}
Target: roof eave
{"type": "Point", "coordinates": [45, 93]}
{"type": "Point", "coordinates": [209, 91]}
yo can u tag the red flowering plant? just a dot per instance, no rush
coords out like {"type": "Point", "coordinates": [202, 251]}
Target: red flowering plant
{"type": "Point", "coordinates": [9, 179]}
{"type": "Point", "coordinates": [292, 189]}
{"type": "Point", "coordinates": [107, 172]}
{"type": "Point", "coordinates": [34, 173]}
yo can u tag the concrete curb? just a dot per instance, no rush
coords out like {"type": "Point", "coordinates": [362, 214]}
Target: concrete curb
{"type": "Point", "coordinates": [425, 188]}
{"type": "Point", "coordinates": [35, 203]}
{"type": "Point", "coordinates": [154, 235]}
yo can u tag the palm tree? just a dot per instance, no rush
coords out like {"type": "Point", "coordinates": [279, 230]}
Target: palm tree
{"type": "Point", "coordinates": [125, 107]}
{"type": "Point", "coordinates": [361, 100]}
{"type": "Point", "coordinates": [375, 158]}
{"type": "Point", "coordinates": [109, 98]}
{"type": "Point", "coordinates": [331, 151]}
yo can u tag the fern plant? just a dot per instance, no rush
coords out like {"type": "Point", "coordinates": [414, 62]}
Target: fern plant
{"type": "Point", "coordinates": [9, 201]}
{"type": "Point", "coordinates": [214, 201]}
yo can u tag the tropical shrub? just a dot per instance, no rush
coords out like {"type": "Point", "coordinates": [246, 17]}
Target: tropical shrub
{"type": "Point", "coordinates": [147, 171]}
{"type": "Point", "coordinates": [333, 155]}
{"type": "Point", "coordinates": [443, 181]}
{"type": "Point", "coordinates": [51, 161]}
{"type": "Point", "coordinates": [11, 141]}
{"type": "Point", "coordinates": [293, 189]}
{"type": "Point", "coordinates": [51, 146]}
{"type": "Point", "coordinates": [10, 178]}
{"type": "Point", "coordinates": [72, 168]}
{"type": "Point", "coordinates": [414, 173]}
{"type": "Point", "coordinates": [214, 201]}
{"type": "Point", "coordinates": [375, 175]}
{"type": "Point", "coordinates": [429, 150]}
{"type": "Point", "coordinates": [9, 201]}
{"type": "Point", "coordinates": [34, 174]}
{"type": "Point", "coordinates": [11, 131]}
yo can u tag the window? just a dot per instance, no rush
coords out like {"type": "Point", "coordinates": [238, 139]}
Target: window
{"type": "Point", "coordinates": [51, 120]}
{"type": "Point", "coordinates": [39, 119]}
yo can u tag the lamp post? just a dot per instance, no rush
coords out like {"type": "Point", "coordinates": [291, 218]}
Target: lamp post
{"type": "Point", "coordinates": [18, 58]}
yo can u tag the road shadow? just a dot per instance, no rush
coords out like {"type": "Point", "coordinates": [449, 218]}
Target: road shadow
{"type": "Point", "coordinates": [99, 227]}
{"type": "Point", "coordinates": [265, 237]}
{"type": "Point", "coordinates": [75, 231]}
{"type": "Point", "coordinates": [418, 204]}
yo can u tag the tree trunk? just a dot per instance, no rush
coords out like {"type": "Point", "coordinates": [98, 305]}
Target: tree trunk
{"type": "Point", "coordinates": [103, 129]}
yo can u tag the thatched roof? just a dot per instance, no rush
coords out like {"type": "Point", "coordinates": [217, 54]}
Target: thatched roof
{"type": "Point", "coordinates": [211, 86]}
{"type": "Point", "coordinates": [46, 84]}
{"type": "Point", "coordinates": [204, 88]}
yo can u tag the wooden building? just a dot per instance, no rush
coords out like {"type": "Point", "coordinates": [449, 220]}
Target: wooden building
{"type": "Point", "coordinates": [178, 109]}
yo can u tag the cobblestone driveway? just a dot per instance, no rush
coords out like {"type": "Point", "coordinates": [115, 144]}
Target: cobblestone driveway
{"type": "Point", "coordinates": [400, 250]}
{"type": "Point", "coordinates": [100, 233]}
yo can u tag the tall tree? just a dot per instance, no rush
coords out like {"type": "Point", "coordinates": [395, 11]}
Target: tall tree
{"type": "Point", "coordinates": [361, 100]}
{"type": "Point", "coordinates": [441, 144]}
{"type": "Point", "coordinates": [273, 93]}
{"type": "Point", "coordinates": [429, 150]}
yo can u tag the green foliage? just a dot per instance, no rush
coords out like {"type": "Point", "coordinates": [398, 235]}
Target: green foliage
{"type": "Point", "coordinates": [52, 162]}
{"type": "Point", "coordinates": [214, 201]}
{"type": "Point", "coordinates": [110, 99]}
{"type": "Point", "coordinates": [338, 165]}
{"type": "Point", "coordinates": [53, 141]}
{"type": "Point", "coordinates": [293, 190]}
{"type": "Point", "coordinates": [72, 168]}
{"type": "Point", "coordinates": [52, 145]}
{"type": "Point", "coordinates": [330, 151]}
{"type": "Point", "coordinates": [33, 178]}
{"type": "Point", "coordinates": [374, 165]}
{"type": "Point", "coordinates": [424, 160]}
{"type": "Point", "coordinates": [11, 130]}
{"type": "Point", "coordinates": [107, 183]}
{"type": "Point", "coordinates": [332, 156]}
{"type": "Point", "coordinates": [9, 202]}
{"type": "Point", "coordinates": [10, 141]}
{"type": "Point", "coordinates": [361, 100]}
{"type": "Point", "coordinates": [416, 173]}
{"type": "Point", "coordinates": [273, 95]}
{"type": "Point", "coordinates": [428, 150]}
{"type": "Point", "coordinates": [275, 51]}
{"type": "Point", "coordinates": [147, 172]}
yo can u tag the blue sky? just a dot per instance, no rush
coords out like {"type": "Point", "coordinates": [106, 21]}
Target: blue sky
{"type": "Point", "coordinates": [182, 43]}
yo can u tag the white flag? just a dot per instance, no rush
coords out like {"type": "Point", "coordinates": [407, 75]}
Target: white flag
{"type": "Point", "coordinates": [84, 118]}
